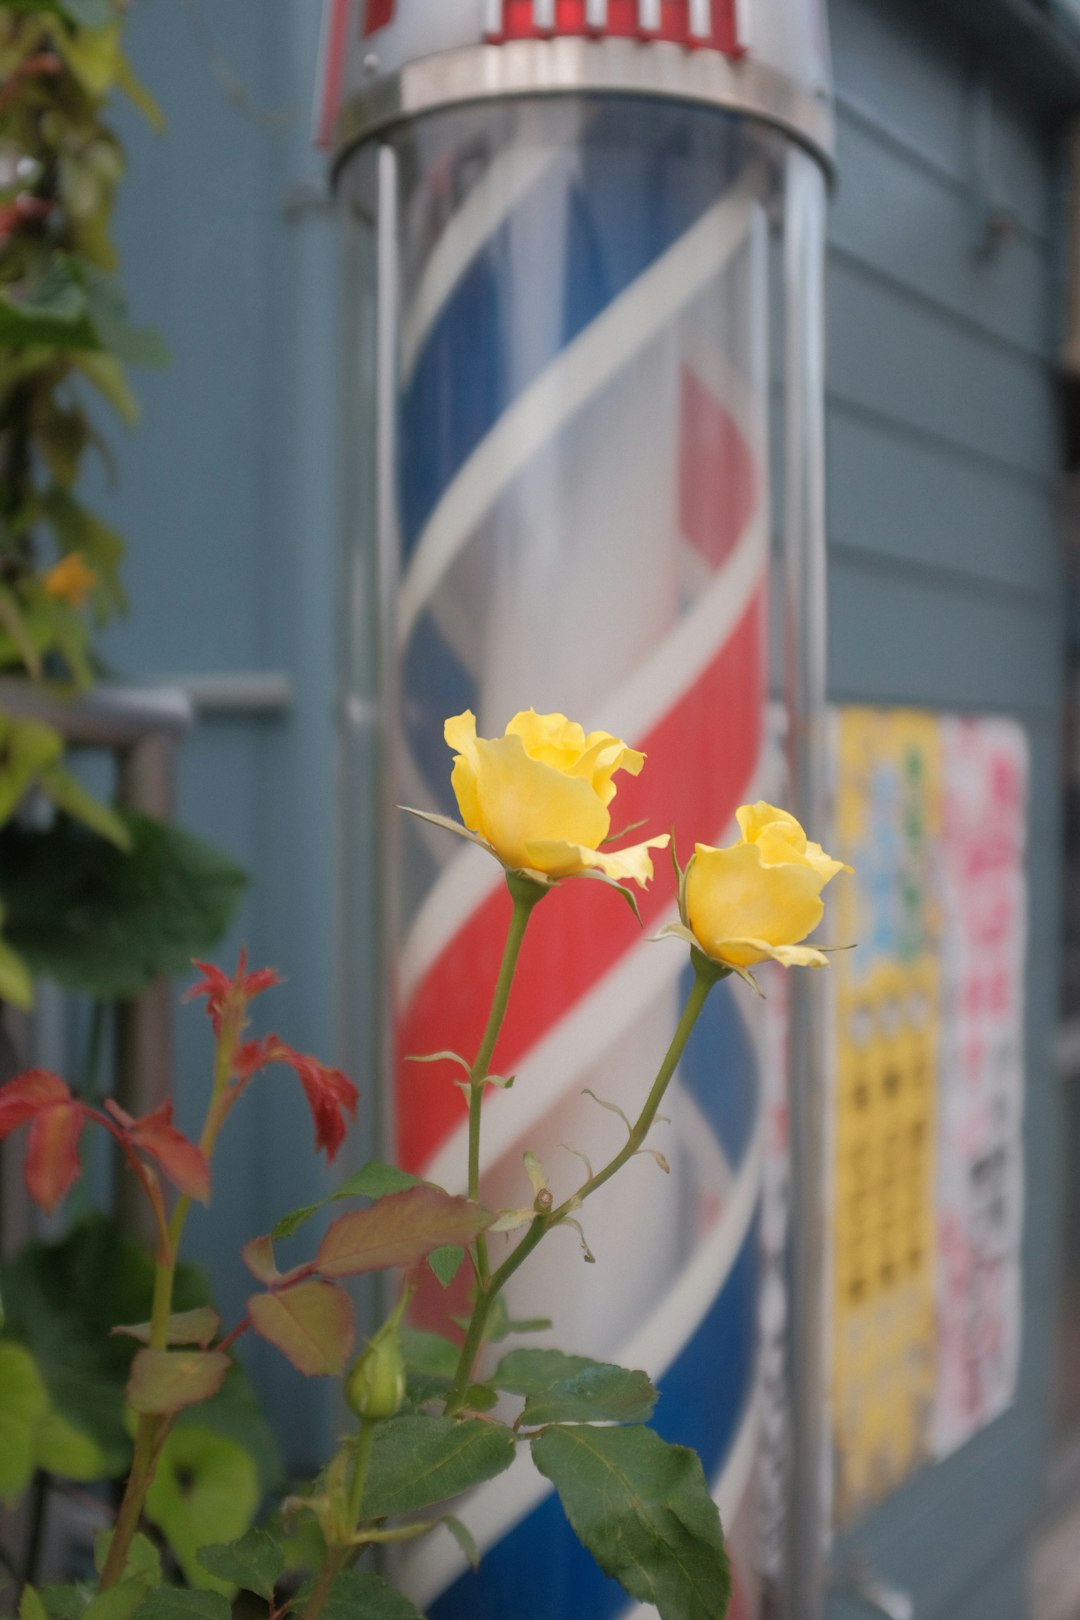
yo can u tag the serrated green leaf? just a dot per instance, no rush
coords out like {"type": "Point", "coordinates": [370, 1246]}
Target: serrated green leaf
{"type": "Point", "coordinates": [61, 1300]}
{"type": "Point", "coordinates": [13, 622]}
{"type": "Point", "coordinates": [31, 1607]}
{"type": "Point", "coordinates": [64, 1602]}
{"type": "Point", "coordinates": [255, 1562]}
{"type": "Point", "coordinates": [357, 1593]}
{"type": "Point", "coordinates": [164, 1381]}
{"type": "Point", "coordinates": [398, 1230]}
{"type": "Point", "coordinates": [417, 1461]}
{"type": "Point", "coordinates": [16, 984]}
{"type": "Point", "coordinates": [599, 1394]}
{"type": "Point", "coordinates": [23, 1405]}
{"type": "Point", "coordinates": [26, 749]}
{"type": "Point", "coordinates": [171, 1603]}
{"type": "Point", "coordinates": [138, 94]}
{"type": "Point", "coordinates": [464, 1538]}
{"type": "Point", "coordinates": [530, 1372]}
{"type": "Point", "coordinates": [69, 795]}
{"type": "Point", "coordinates": [143, 1561]}
{"type": "Point", "coordinates": [108, 377]}
{"type": "Point", "coordinates": [376, 1180]}
{"type": "Point", "coordinates": [296, 1218]}
{"type": "Point", "coordinates": [446, 1262]}
{"type": "Point", "coordinates": [51, 311]}
{"type": "Point", "coordinates": [500, 1326]}
{"type": "Point", "coordinates": [200, 1326]}
{"type": "Point", "coordinates": [205, 1487]}
{"type": "Point", "coordinates": [120, 1602]}
{"type": "Point", "coordinates": [429, 1352]}
{"type": "Point", "coordinates": [70, 1452]}
{"type": "Point", "coordinates": [107, 309]}
{"type": "Point", "coordinates": [643, 1509]}
{"type": "Point", "coordinates": [105, 923]}
{"type": "Point", "coordinates": [235, 1415]}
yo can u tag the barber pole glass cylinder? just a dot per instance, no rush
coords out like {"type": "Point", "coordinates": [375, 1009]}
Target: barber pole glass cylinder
{"type": "Point", "coordinates": [565, 321]}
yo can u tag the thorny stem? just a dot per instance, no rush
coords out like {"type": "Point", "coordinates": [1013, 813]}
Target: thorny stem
{"type": "Point", "coordinates": [525, 896]}
{"type": "Point", "coordinates": [705, 976]}
{"type": "Point", "coordinates": [339, 1558]}
{"type": "Point", "coordinates": [153, 1429]}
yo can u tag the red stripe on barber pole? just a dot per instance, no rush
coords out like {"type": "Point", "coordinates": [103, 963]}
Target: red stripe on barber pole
{"type": "Point", "coordinates": [675, 23]}
{"type": "Point", "coordinates": [377, 14]}
{"type": "Point", "coordinates": [335, 49]}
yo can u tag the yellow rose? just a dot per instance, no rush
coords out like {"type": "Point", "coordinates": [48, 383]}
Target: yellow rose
{"type": "Point", "coordinates": [539, 795]}
{"type": "Point", "coordinates": [757, 899]}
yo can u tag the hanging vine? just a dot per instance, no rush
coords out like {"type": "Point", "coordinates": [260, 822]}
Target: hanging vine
{"type": "Point", "coordinates": [65, 345]}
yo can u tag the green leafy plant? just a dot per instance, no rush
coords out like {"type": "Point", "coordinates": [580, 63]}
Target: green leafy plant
{"type": "Point", "coordinates": [433, 1416]}
{"type": "Point", "coordinates": [64, 339]}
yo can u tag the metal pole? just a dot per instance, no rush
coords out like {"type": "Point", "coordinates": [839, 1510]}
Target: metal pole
{"type": "Point", "coordinates": [805, 661]}
{"type": "Point", "coordinates": [387, 567]}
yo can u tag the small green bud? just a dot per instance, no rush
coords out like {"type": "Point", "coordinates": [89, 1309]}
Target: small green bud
{"type": "Point", "coordinates": [375, 1387]}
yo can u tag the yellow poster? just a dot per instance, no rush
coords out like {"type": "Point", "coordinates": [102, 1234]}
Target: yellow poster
{"type": "Point", "coordinates": [887, 999]}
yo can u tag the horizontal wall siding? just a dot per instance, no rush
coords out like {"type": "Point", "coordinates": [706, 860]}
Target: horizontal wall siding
{"type": "Point", "coordinates": [946, 592]}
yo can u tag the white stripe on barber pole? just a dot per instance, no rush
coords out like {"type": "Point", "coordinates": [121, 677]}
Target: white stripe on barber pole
{"type": "Point", "coordinates": [701, 19]}
{"type": "Point", "coordinates": [492, 200]}
{"type": "Point", "coordinates": [625, 328]}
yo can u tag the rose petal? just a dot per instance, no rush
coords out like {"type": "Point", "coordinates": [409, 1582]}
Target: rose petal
{"type": "Point", "coordinates": [731, 895]}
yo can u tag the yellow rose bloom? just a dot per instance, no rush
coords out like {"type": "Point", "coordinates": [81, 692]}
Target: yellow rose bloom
{"type": "Point", "coordinates": [539, 795]}
{"type": "Point", "coordinates": [71, 580]}
{"type": "Point", "coordinates": [756, 900]}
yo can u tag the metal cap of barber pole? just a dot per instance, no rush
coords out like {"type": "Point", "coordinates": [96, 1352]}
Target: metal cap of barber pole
{"type": "Point", "coordinates": [389, 60]}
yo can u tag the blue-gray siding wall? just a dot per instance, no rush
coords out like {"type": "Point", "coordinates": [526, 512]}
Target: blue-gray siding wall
{"type": "Point", "coordinates": [227, 497]}
{"type": "Point", "coordinates": [945, 586]}
{"type": "Point", "coordinates": [945, 591]}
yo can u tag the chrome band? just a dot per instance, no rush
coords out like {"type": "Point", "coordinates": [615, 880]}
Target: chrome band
{"type": "Point", "coordinates": [530, 67]}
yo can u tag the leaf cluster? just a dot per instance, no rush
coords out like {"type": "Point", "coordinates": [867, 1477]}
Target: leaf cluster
{"type": "Point", "coordinates": [65, 343]}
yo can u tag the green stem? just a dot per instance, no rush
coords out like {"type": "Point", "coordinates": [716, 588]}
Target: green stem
{"type": "Point", "coordinates": [364, 1441]}
{"type": "Point", "coordinates": [706, 974]}
{"type": "Point", "coordinates": [150, 1431]}
{"type": "Point", "coordinates": [704, 979]}
{"type": "Point", "coordinates": [336, 1560]}
{"type": "Point", "coordinates": [339, 1558]}
{"type": "Point", "coordinates": [525, 895]}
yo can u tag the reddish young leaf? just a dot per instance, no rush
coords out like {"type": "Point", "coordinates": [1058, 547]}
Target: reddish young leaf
{"type": "Point", "coordinates": [200, 1326]}
{"type": "Point", "coordinates": [52, 1159]}
{"type": "Point", "coordinates": [398, 1231]}
{"type": "Point", "coordinates": [258, 1256]}
{"type": "Point", "coordinates": [56, 1119]}
{"type": "Point", "coordinates": [156, 1135]}
{"type": "Point", "coordinates": [27, 1095]}
{"type": "Point", "coordinates": [225, 994]}
{"type": "Point", "coordinates": [330, 1093]}
{"type": "Point", "coordinates": [312, 1324]}
{"type": "Point", "coordinates": [167, 1380]}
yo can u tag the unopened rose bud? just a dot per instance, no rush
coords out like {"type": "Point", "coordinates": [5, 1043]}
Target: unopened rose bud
{"type": "Point", "coordinates": [375, 1387]}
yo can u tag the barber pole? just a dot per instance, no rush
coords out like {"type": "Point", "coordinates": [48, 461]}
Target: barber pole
{"type": "Point", "coordinates": [574, 495]}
